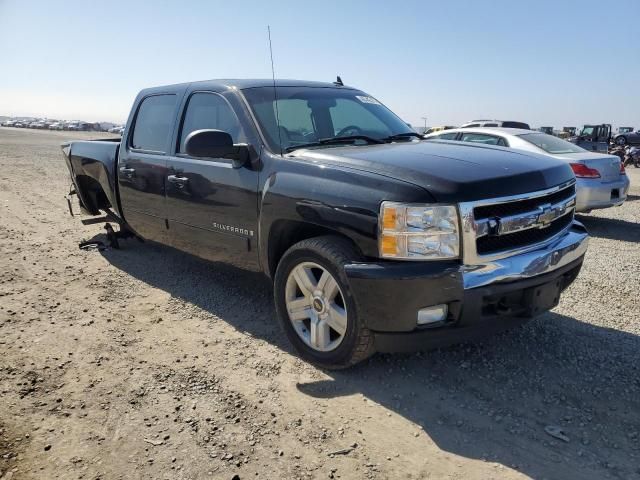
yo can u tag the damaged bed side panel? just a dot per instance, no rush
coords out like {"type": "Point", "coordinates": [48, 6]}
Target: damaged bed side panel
{"type": "Point", "coordinates": [92, 165]}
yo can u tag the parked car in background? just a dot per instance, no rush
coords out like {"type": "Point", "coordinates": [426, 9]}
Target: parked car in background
{"type": "Point", "coordinates": [547, 130]}
{"type": "Point", "coordinates": [117, 130]}
{"type": "Point", "coordinates": [601, 178]}
{"type": "Point", "coordinates": [567, 132]}
{"type": "Point", "coordinates": [19, 124]}
{"type": "Point", "coordinates": [8, 123]}
{"type": "Point", "coordinates": [56, 126]}
{"type": "Point", "coordinates": [627, 138]}
{"type": "Point", "coordinates": [437, 129]}
{"type": "Point", "coordinates": [625, 129]}
{"type": "Point", "coordinates": [595, 138]}
{"type": "Point", "coordinates": [496, 123]}
{"type": "Point", "coordinates": [78, 126]}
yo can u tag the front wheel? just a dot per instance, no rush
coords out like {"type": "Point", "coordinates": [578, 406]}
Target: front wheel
{"type": "Point", "coordinates": [621, 141]}
{"type": "Point", "coordinates": [315, 306]}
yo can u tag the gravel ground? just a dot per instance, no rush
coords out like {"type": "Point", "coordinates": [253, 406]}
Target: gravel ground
{"type": "Point", "coordinates": [148, 363]}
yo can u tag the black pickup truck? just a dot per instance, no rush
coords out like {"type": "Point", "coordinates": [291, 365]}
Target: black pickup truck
{"type": "Point", "coordinates": [375, 239]}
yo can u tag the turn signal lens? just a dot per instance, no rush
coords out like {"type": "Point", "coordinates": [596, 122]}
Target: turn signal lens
{"type": "Point", "coordinates": [580, 170]}
{"type": "Point", "coordinates": [389, 218]}
{"type": "Point", "coordinates": [389, 245]}
{"type": "Point", "coordinates": [622, 169]}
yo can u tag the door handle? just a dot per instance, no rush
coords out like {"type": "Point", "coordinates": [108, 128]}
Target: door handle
{"type": "Point", "coordinates": [127, 172]}
{"type": "Point", "coordinates": [178, 181]}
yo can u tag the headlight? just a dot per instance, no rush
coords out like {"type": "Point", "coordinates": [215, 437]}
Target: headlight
{"type": "Point", "coordinates": [418, 232]}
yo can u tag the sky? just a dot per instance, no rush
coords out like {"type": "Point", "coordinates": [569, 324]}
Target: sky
{"type": "Point", "coordinates": [549, 63]}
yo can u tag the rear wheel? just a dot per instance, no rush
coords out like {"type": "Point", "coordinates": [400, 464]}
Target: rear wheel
{"type": "Point", "coordinates": [315, 306]}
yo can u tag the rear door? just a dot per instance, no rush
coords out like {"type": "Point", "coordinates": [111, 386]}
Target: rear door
{"type": "Point", "coordinates": [142, 165]}
{"type": "Point", "coordinates": [212, 207]}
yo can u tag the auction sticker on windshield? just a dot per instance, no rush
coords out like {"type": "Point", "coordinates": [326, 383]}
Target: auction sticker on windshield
{"type": "Point", "coordinates": [365, 99]}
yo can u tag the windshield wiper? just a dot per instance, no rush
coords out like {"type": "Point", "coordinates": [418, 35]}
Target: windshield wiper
{"type": "Point", "coordinates": [399, 136]}
{"type": "Point", "coordinates": [335, 141]}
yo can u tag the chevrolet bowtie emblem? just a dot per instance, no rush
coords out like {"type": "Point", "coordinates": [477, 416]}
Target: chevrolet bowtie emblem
{"type": "Point", "coordinates": [547, 216]}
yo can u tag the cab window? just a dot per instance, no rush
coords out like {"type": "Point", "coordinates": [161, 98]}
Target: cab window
{"type": "Point", "coordinates": [207, 110]}
{"type": "Point", "coordinates": [587, 132]}
{"type": "Point", "coordinates": [154, 123]}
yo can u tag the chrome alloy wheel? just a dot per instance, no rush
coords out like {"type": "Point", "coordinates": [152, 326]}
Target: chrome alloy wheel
{"type": "Point", "coordinates": [316, 306]}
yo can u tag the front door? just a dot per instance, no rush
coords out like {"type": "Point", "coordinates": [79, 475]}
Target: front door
{"type": "Point", "coordinates": [212, 207]}
{"type": "Point", "coordinates": [142, 167]}
{"type": "Point", "coordinates": [604, 136]}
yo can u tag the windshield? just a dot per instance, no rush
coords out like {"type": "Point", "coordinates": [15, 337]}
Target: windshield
{"type": "Point", "coordinates": [311, 114]}
{"type": "Point", "coordinates": [551, 144]}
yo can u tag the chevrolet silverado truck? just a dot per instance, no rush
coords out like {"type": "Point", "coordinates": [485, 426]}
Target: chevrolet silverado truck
{"type": "Point", "coordinates": [374, 239]}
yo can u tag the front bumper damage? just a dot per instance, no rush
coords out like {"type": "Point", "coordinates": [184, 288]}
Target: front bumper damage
{"type": "Point", "coordinates": [481, 299]}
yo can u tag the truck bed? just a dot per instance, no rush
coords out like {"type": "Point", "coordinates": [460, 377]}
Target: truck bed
{"type": "Point", "coordinates": [92, 165]}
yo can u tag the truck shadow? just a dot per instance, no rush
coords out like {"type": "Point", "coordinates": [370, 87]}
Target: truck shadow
{"type": "Point", "coordinates": [489, 401]}
{"type": "Point", "coordinates": [612, 228]}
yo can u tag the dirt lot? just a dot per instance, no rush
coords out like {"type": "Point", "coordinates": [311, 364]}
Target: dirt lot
{"type": "Point", "coordinates": [147, 363]}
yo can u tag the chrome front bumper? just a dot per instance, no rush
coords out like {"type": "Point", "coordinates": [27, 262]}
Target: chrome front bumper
{"type": "Point", "coordinates": [562, 251]}
{"type": "Point", "coordinates": [593, 194]}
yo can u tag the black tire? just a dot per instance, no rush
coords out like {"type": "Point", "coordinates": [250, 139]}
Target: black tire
{"type": "Point", "coordinates": [621, 141]}
{"type": "Point", "coordinates": [331, 253]}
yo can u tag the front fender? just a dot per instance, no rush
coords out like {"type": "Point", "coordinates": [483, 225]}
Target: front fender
{"type": "Point", "coordinates": [300, 194]}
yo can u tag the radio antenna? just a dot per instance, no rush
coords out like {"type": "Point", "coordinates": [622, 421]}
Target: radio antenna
{"type": "Point", "coordinates": [275, 93]}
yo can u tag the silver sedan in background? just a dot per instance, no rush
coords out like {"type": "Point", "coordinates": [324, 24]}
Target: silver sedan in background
{"type": "Point", "coordinates": [627, 138]}
{"type": "Point", "coordinates": [601, 181]}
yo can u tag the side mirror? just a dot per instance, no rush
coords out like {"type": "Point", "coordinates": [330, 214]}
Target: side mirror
{"type": "Point", "coordinates": [216, 144]}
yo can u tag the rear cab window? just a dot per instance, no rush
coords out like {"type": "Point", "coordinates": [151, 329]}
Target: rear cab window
{"type": "Point", "coordinates": [153, 125]}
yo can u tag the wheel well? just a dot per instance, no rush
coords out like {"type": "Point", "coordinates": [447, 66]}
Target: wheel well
{"type": "Point", "coordinates": [285, 234]}
{"type": "Point", "coordinates": [92, 194]}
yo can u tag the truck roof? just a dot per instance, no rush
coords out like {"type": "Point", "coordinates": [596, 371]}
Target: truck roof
{"type": "Point", "coordinates": [245, 83]}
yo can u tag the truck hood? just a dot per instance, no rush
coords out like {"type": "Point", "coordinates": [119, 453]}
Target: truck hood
{"type": "Point", "coordinates": [450, 172]}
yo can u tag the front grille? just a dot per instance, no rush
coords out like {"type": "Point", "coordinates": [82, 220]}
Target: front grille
{"type": "Point", "coordinates": [512, 241]}
{"type": "Point", "coordinates": [522, 206]}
